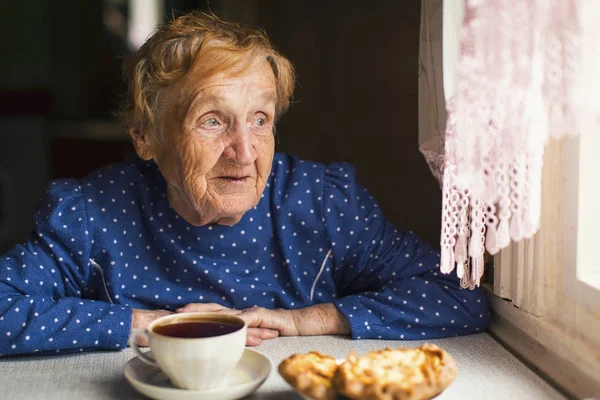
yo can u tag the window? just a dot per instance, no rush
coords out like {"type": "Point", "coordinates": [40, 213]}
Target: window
{"type": "Point", "coordinates": [546, 291]}
{"type": "Point", "coordinates": [581, 274]}
{"type": "Point", "coordinates": [144, 16]}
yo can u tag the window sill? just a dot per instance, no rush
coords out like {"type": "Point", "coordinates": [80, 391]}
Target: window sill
{"type": "Point", "coordinates": [566, 361]}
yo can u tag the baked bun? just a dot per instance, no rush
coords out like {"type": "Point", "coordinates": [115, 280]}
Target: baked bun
{"type": "Point", "coordinates": [311, 374]}
{"type": "Point", "coordinates": [396, 374]}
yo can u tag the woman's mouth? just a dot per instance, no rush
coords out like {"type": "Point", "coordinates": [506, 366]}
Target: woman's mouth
{"type": "Point", "coordinates": [239, 180]}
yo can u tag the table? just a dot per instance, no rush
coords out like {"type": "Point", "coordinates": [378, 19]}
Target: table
{"type": "Point", "coordinates": [486, 371]}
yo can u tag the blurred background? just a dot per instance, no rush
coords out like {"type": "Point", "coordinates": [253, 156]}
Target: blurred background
{"type": "Point", "coordinates": [356, 100]}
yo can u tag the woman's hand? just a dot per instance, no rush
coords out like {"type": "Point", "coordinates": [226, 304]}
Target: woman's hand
{"type": "Point", "coordinates": [142, 318]}
{"type": "Point", "coordinates": [256, 332]}
{"type": "Point", "coordinates": [264, 323]}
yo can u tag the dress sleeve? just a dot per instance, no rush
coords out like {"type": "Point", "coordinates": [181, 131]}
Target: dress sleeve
{"type": "Point", "coordinates": [388, 281]}
{"type": "Point", "coordinates": [42, 281]}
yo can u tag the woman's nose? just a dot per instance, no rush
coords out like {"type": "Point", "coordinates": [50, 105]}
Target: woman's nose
{"type": "Point", "coordinates": [242, 147]}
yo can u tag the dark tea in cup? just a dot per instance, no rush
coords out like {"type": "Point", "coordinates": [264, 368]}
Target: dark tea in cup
{"type": "Point", "coordinates": [197, 329]}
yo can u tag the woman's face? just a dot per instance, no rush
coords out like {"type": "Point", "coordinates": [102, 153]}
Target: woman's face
{"type": "Point", "coordinates": [217, 144]}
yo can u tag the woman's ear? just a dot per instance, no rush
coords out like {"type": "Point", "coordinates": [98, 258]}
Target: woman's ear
{"type": "Point", "coordinates": [141, 143]}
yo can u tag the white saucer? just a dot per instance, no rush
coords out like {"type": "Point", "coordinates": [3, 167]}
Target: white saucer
{"type": "Point", "coordinates": [243, 379]}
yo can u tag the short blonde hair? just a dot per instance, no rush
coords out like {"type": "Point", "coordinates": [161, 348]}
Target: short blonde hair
{"type": "Point", "coordinates": [171, 51]}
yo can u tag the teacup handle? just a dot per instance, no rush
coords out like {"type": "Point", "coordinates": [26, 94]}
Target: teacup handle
{"type": "Point", "coordinates": [136, 349]}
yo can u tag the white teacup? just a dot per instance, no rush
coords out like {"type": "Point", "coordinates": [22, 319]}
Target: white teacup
{"type": "Point", "coordinates": [195, 350]}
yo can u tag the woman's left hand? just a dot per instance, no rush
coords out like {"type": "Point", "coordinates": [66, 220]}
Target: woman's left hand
{"type": "Point", "coordinates": [264, 323]}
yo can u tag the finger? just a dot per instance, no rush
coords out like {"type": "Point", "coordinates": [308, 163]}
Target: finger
{"type": "Point", "coordinates": [253, 340]}
{"type": "Point", "coordinates": [201, 307]}
{"type": "Point", "coordinates": [142, 341]}
{"type": "Point", "coordinates": [263, 333]}
{"type": "Point", "coordinates": [254, 317]}
{"type": "Point", "coordinates": [160, 313]}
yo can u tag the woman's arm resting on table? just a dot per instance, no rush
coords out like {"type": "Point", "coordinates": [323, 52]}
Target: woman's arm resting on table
{"type": "Point", "coordinates": [389, 284]}
{"type": "Point", "coordinates": [41, 285]}
{"type": "Point", "coordinates": [320, 319]}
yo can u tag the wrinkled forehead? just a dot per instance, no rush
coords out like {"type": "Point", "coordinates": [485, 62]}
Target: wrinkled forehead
{"type": "Point", "coordinates": [217, 65]}
{"type": "Point", "coordinates": [201, 85]}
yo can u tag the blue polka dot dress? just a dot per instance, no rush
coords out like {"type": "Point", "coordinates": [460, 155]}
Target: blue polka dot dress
{"type": "Point", "coordinates": [111, 242]}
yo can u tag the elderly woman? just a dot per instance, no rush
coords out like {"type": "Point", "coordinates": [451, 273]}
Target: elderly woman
{"type": "Point", "coordinates": [210, 218]}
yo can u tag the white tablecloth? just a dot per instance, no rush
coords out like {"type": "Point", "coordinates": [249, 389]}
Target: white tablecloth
{"type": "Point", "coordinates": [486, 371]}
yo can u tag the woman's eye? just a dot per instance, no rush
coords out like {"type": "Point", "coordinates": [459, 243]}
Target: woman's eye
{"type": "Point", "coordinates": [211, 123]}
{"type": "Point", "coordinates": [261, 121]}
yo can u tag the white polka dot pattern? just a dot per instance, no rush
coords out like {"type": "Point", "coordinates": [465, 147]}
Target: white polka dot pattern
{"type": "Point", "coordinates": [111, 242]}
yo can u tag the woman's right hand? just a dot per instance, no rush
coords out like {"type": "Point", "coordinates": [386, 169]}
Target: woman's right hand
{"type": "Point", "coordinates": [141, 319]}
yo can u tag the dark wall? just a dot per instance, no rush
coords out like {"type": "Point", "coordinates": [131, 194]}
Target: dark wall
{"type": "Point", "coordinates": [356, 99]}
{"type": "Point", "coordinates": [25, 106]}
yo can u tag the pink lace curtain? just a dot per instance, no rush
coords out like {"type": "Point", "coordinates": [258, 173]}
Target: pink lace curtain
{"type": "Point", "coordinates": [516, 73]}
